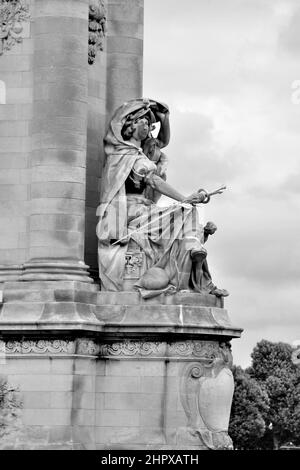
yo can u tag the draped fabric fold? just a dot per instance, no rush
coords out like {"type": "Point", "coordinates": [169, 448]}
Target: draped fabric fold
{"type": "Point", "coordinates": [165, 235]}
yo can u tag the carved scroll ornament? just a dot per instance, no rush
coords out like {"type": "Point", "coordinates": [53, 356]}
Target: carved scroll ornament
{"type": "Point", "coordinates": [206, 396]}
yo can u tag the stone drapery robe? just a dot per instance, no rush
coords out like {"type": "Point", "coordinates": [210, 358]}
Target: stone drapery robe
{"type": "Point", "coordinates": [165, 234]}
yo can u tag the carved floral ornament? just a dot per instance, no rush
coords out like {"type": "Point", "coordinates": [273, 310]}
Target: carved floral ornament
{"type": "Point", "coordinates": [97, 28]}
{"type": "Point", "coordinates": [82, 346]}
{"type": "Point", "coordinates": [208, 351]}
{"type": "Point", "coordinates": [12, 14]}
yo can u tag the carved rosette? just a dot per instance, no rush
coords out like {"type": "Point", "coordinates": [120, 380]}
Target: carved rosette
{"type": "Point", "coordinates": [206, 392]}
{"type": "Point", "coordinates": [97, 28]}
{"type": "Point", "coordinates": [12, 14]}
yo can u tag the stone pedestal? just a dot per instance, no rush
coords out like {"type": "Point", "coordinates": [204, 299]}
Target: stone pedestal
{"type": "Point", "coordinates": [112, 371]}
{"type": "Point", "coordinates": [93, 370]}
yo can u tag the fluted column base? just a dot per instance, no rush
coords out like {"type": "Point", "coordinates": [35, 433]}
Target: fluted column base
{"type": "Point", "coordinates": [55, 271]}
{"type": "Point", "coordinates": [10, 272]}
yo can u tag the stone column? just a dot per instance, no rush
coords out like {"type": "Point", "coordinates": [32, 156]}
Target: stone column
{"type": "Point", "coordinates": [58, 157]}
{"type": "Point", "coordinates": [115, 77]}
{"type": "Point", "coordinates": [124, 52]}
{"type": "Point", "coordinates": [15, 144]}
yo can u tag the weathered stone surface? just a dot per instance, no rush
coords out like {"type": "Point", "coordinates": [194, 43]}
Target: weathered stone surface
{"type": "Point", "coordinates": [58, 136]}
{"type": "Point", "coordinates": [82, 384]}
{"type": "Point", "coordinates": [79, 302]}
{"type": "Point", "coordinates": [141, 401]}
{"type": "Point", "coordinates": [134, 298]}
{"type": "Point", "coordinates": [15, 142]}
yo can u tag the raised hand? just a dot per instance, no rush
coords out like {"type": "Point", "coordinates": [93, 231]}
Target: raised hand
{"type": "Point", "coordinates": [197, 197]}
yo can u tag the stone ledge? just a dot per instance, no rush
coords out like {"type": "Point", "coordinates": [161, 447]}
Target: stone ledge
{"type": "Point", "coordinates": [38, 284]}
{"type": "Point", "coordinates": [73, 305]}
{"type": "Point", "coordinates": [180, 298]}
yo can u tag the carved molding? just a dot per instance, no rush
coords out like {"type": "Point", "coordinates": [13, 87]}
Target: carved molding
{"type": "Point", "coordinates": [208, 351]}
{"type": "Point", "coordinates": [12, 13]}
{"type": "Point", "coordinates": [80, 346]}
{"type": "Point", "coordinates": [194, 349]}
{"type": "Point", "coordinates": [97, 28]}
{"type": "Point", "coordinates": [133, 348]}
{"type": "Point", "coordinates": [40, 347]}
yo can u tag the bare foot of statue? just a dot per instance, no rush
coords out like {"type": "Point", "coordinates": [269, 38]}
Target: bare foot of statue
{"type": "Point", "coordinates": [219, 292]}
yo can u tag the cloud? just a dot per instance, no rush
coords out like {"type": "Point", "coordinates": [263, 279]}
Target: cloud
{"type": "Point", "coordinates": [195, 159]}
{"type": "Point", "coordinates": [257, 240]}
{"type": "Point", "coordinates": [289, 39]}
{"type": "Point", "coordinates": [227, 70]}
{"type": "Point", "coordinates": [291, 185]}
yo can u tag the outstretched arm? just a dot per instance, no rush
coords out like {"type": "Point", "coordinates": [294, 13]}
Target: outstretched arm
{"type": "Point", "coordinates": [157, 183]}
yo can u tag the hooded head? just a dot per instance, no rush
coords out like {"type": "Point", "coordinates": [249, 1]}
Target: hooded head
{"type": "Point", "coordinates": [120, 127]}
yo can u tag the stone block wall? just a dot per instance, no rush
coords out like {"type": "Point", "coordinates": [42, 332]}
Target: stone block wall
{"type": "Point", "coordinates": [52, 128]}
{"type": "Point", "coordinates": [85, 394]}
{"type": "Point", "coordinates": [15, 147]}
{"type": "Point", "coordinates": [58, 401]}
{"type": "Point", "coordinates": [124, 52]}
{"type": "Point", "coordinates": [58, 156]}
{"type": "Point", "coordinates": [157, 395]}
{"type": "Point", "coordinates": [139, 402]}
{"type": "Point", "coordinates": [114, 77]}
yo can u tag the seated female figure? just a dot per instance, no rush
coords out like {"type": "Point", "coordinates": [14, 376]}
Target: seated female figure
{"type": "Point", "coordinates": [171, 238]}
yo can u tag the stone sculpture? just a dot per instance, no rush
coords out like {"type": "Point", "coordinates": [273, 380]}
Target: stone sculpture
{"type": "Point", "coordinates": [170, 239]}
{"type": "Point", "coordinates": [206, 394]}
{"type": "Point", "coordinates": [12, 13]}
{"type": "Point", "coordinates": [97, 28]}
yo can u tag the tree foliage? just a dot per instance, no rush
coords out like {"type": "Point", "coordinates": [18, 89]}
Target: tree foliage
{"type": "Point", "coordinates": [250, 405]}
{"type": "Point", "coordinates": [266, 404]}
{"type": "Point", "coordinates": [273, 369]}
{"type": "Point", "coordinates": [9, 407]}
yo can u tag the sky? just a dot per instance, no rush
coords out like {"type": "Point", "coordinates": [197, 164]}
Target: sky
{"type": "Point", "coordinates": [229, 70]}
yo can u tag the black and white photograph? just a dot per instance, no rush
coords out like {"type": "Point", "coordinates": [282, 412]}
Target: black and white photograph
{"type": "Point", "coordinates": [149, 228]}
